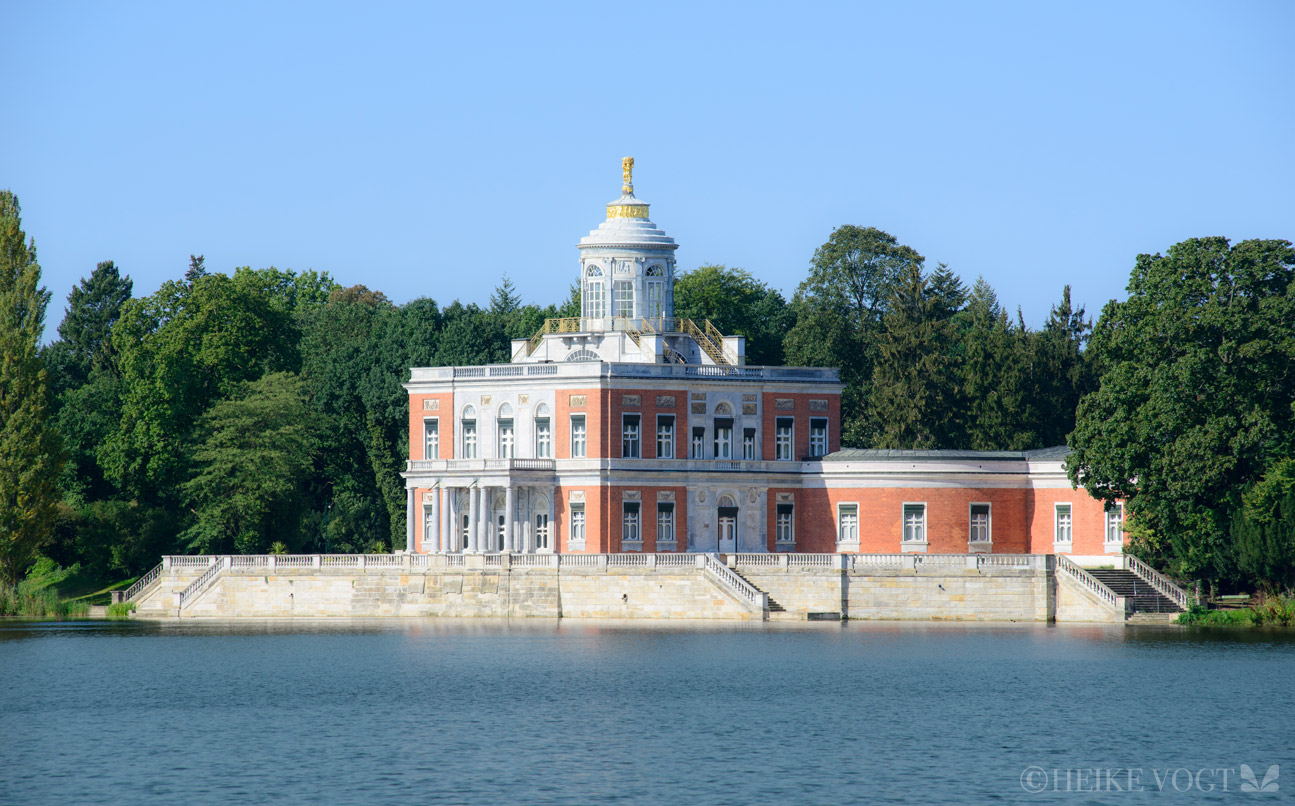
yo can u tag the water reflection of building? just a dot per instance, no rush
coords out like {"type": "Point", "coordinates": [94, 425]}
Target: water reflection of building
{"type": "Point", "coordinates": [629, 429]}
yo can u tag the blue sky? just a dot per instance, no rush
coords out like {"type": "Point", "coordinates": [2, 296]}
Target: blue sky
{"type": "Point", "coordinates": [425, 150]}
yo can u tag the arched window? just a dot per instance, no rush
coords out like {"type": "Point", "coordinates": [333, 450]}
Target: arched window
{"type": "Point", "coordinates": [724, 410]}
{"type": "Point", "coordinates": [583, 355]}
{"type": "Point", "coordinates": [727, 502]}
{"type": "Point", "coordinates": [504, 432]}
{"type": "Point", "coordinates": [468, 433]}
{"type": "Point", "coordinates": [655, 271]}
{"type": "Point", "coordinates": [543, 432]}
{"type": "Point", "coordinates": [594, 271]}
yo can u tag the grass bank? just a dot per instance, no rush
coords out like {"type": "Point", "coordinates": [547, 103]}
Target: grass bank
{"type": "Point", "coordinates": [1271, 611]}
{"type": "Point", "coordinates": [52, 592]}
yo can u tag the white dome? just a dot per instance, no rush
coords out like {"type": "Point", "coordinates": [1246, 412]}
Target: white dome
{"type": "Point", "coordinates": [628, 231]}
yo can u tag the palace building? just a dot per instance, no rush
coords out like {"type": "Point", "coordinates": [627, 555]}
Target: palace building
{"type": "Point", "coordinates": [629, 429]}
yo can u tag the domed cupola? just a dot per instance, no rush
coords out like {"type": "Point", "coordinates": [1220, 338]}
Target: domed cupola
{"type": "Point", "coordinates": [627, 264]}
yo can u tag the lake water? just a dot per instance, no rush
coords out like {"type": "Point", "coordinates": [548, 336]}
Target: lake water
{"type": "Point", "coordinates": [437, 711]}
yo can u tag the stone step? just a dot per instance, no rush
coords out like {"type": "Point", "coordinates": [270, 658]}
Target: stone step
{"type": "Point", "coordinates": [1140, 593]}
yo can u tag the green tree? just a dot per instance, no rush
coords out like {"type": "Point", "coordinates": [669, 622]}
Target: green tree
{"type": "Point", "coordinates": [737, 304]}
{"type": "Point", "coordinates": [1263, 529]}
{"type": "Point", "coordinates": [914, 380]}
{"type": "Point", "coordinates": [839, 309]}
{"type": "Point", "coordinates": [1195, 396]}
{"type": "Point", "coordinates": [30, 453]}
{"type": "Point", "coordinates": [93, 307]}
{"type": "Point", "coordinates": [987, 343]}
{"type": "Point", "coordinates": [252, 468]}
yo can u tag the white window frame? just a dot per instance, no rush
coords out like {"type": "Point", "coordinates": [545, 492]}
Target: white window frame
{"type": "Point", "coordinates": [506, 437]}
{"type": "Point", "coordinates": [697, 447]}
{"type": "Point", "coordinates": [542, 531]}
{"type": "Point", "coordinates": [665, 439]}
{"type": "Point", "coordinates": [1057, 542]}
{"type": "Point", "coordinates": [665, 531]}
{"type": "Point", "coordinates": [784, 446]}
{"type": "Point", "coordinates": [470, 439]}
{"type": "Point", "coordinates": [1114, 516]}
{"type": "Point", "coordinates": [655, 299]}
{"type": "Point", "coordinates": [596, 303]}
{"type": "Point", "coordinates": [579, 437]}
{"type": "Point", "coordinates": [784, 537]}
{"type": "Point", "coordinates": [818, 446]}
{"type": "Point", "coordinates": [576, 524]}
{"type": "Point", "coordinates": [723, 445]}
{"type": "Point", "coordinates": [749, 444]}
{"type": "Point", "coordinates": [631, 442]}
{"type": "Point", "coordinates": [632, 525]}
{"type": "Point", "coordinates": [543, 438]}
{"type": "Point", "coordinates": [432, 438]}
{"type": "Point", "coordinates": [623, 299]}
{"type": "Point", "coordinates": [917, 544]}
{"type": "Point", "coordinates": [847, 534]}
{"type": "Point", "coordinates": [988, 542]}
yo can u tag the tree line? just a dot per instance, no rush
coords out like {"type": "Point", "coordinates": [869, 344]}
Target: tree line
{"type": "Point", "coordinates": [263, 409]}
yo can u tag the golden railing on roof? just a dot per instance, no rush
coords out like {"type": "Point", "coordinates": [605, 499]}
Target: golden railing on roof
{"type": "Point", "coordinates": [706, 335]}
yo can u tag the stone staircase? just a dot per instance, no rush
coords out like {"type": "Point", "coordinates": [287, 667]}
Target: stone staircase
{"type": "Point", "coordinates": [771, 605]}
{"type": "Point", "coordinates": [1140, 594]}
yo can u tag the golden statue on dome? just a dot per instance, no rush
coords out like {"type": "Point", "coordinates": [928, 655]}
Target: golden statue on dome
{"type": "Point", "coordinates": [627, 174]}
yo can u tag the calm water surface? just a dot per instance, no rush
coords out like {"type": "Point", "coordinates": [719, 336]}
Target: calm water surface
{"type": "Point", "coordinates": [438, 711]}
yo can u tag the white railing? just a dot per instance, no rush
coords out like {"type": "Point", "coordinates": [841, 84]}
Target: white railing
{"type": "Point", "coordinates": [249, 561]}
{"type": "Point", "coordinates": [940, 560]}
{"type": "Point", "coordinates": [1011, 560]}
{"type": "Point", "coordinates": [454, 561]}
{"type": "Point", "coordinates": [535, 560]}
{"type": "Point", "coordinates": [676, 560]}
{"type": "Point", "coordinates": [200, 584]}
{"type": "Point", "coordinates": [1068, 567]}
{"type": "Point", "coordinates": [1157, 580]}
{"type": "Point", "coordinates": [858, 561]}
{"type": "Point", "coordinates": [383, 561]}
{"type": "Point", "coordinates": [339, 560]}
{"type": "Point", "coordinates": [190, 561]}
{"type": "Point", "coordinates": [811, 560]}
{"type": "Point", "coordinates": [580, 560]}
{"type": "Point", "coordinates": [758, 560]}
{"type": "Point", "coordinates": [494, 560]}
{"type": "Point", "coordinates": [294, 561]}
{"type": "Point", "coordinates": [420, 560]}
{"type": "Point", "coordinates": [635, 560]}
{"type": "Point", "coordinates": [143, 584]}
{"type": "Point", "coordinates": [731, 582]}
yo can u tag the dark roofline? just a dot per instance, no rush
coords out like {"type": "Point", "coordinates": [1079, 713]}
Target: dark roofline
{"type": "Point", "coordinates": [891, 455]}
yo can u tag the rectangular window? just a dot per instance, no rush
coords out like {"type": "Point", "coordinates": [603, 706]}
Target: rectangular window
{"type": "Point", "coordinates": [723, 438]}
{"type": "Point", "coordinates": [623, 298]}
{"type": "Point", "coordinates": [578, 438]}
{"type": "Point", "coordinates": [463, 533]}
{"type": "Point", "coordinates": [469, 439]}
{"type": "Point", "coordinates": [596, 305]}
{"type": "Point", "coordinates": [664, 436]}
{"type": "Point", "coordinates": [664, 523]}
{"type": "Point", "coordinates": [980, 523]}
{"type": "Point", "coordinates": [914, 523]}
{"type": "Point", "coordinates": [786, 524]}
{"type": "Point", "coordinates": [782, 441]}
{"type": "Point", "coordinates": [542, 530]}
{"type": "Point", "coordinates": [818, 436]}
{"type": "Point", "coordinates": [543, 438]}
{"type": "Point", "coordinates": [1064, 528]}
{"type": "Point", "coordinates": [1115, 523]}
{"type": "Point", "coordinates": [577, 534]}
{"type": "Point", "coordinates": [630, 523]}
{"type": "Point", "coordinates": [505, 439]}
{"type": "Point", "coordinates": [698, 442]}
{"type": "Point", "coordinates": [847, 523]}
{"type": "Point", "coordinates": [654, 295]}
{"type": "Point", "coordinates": [431, 438]}
{"type": "Point", "coordinates": [630, 436]}
{"type": "Point", "coordinates": [748, 444]}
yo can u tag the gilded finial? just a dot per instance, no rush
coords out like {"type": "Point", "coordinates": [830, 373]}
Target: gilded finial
{"type": "Point", "coordinates": [627, 175]}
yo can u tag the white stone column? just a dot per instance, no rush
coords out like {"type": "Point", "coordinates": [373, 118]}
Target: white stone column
{"type": "Point", "coordinates": [474, 515]}
{"type": "Point", "coordinates": [553, 529]}
{"type": "Point", "coordinates": [483, 521]}
{"type": "Point", "coordinates": [526, 523]}
{"type": "Point", "coordinates": [434, 544]}
{"type": "Point", "coordinates": [510, 515]}
{"type": "Point", "coordinates": [447, 520]}
{"type": "Point", "coordinates": [410, 514]}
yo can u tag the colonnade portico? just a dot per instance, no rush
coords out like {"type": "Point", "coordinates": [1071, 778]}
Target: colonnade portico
{"type": "Point", "coordinates": [484, 516]}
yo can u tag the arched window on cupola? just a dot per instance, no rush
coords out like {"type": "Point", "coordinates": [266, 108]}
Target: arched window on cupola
{"type": "Point", "coordinates": [654, 303]}
{"type": "Point", "coordinates": [595, 293]}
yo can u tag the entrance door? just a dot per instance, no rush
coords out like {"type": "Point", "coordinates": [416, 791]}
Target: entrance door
{"type": "Point", "coordinates": [727, 529]}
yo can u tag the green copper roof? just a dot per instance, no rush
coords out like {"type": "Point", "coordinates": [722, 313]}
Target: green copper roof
{"type": "Point", "coordinates": [887, 455]}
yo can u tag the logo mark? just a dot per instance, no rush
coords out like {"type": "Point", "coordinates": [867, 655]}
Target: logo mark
{"type": "Point", "coordinates": [1249, 784]}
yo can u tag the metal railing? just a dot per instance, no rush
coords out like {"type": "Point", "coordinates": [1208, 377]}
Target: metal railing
{"type": "Point", "coordinates": [707, 336]}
